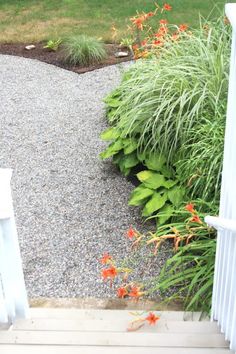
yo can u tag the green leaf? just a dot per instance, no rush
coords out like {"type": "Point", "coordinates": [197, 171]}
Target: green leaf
{"type": "Point", "coordinates": [130, 145]}
{"type": "Point", "coordinates": [155, 182]}
{"type": "Point", "coordinates": [112, 149]}
{"type": "Point", "coordinates": [130, 160]}
{"type": "Point", "coordinates": [141, 155]}
{"type": "Point", "coordinates": [111, 114]}
{"type": "Point", "coordinates": [155, 203]}
{"type": "Point", "coordinates": [155, 162]}
{"type": "Point", "coordinates": [165, 213]}
{"type": "Point", "coordinates": [144, 175]}
{"type": "Point", "coordinates": [125, 171]}
{"type": "Point", "coordinates": [151, 179]}
{"type": "Point", "coordinates": [206, 288]}
{"type": "Point", "coordinates": [110, 134]}
{"type": "Point", "coordinates": [139, 195]}
{"type": "Point", "coordinates": [170, 183]}
{"type": "Point", "coordinates": [167, 171]}
{"type": "Point", "coordinates": [112, 102]}
{"type": "Point", "coordinates": [117, 157]}
{"type": "Point", "coordinates": [176, 195]}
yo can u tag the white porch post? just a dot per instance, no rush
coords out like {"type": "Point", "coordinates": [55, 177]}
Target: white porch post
{"type": "Point", "coordinates": [224, 291]}
{"type": "Point", "coordinates": [13, 297]}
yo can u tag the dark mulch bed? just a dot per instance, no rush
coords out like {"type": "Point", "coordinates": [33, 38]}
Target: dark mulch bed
{"type": "Point", "coordinates": [57, 58]}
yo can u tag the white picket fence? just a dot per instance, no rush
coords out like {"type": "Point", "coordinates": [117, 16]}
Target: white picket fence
{"type": "Point", "coordinates": [224, 292]}
{"type": "Point", "coordinates": [13, 298]}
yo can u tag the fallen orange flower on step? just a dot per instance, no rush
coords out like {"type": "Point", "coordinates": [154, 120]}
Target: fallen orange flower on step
{"type": "Point", "coordinates": [152, 318]}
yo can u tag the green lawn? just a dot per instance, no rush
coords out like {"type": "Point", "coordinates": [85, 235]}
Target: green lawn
{"type": "Point", "coordinates": [30, 20]}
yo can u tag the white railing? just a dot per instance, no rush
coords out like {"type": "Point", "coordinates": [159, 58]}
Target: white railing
{"type": "Point", "coordinates": [224, 291]}
{"type": "Point", "coordinates": [13, 298]}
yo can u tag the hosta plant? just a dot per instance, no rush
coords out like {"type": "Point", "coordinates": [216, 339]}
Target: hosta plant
{"type": "Point", "coordinates": [158, 190]}
{"type": "Point", "coordinates": [157, 194]}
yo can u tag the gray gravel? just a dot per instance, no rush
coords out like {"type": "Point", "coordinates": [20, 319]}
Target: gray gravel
{"type": "Point", "coordinates": [70, 207]}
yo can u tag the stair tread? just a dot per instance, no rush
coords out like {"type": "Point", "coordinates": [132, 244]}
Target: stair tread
{"type": "Point", "coordinates": [80, 331]}
{"type": "Point", "coordinates": [30, 349]}
{"type": "Point", "coordinates": [208, 340]}
{"type": "Point", "coordinates": [73, 313]}
{"type": "Point", "coordinates": [117, 325]}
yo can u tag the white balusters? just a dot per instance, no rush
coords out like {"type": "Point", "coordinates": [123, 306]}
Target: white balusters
{"type": "Point", "coordinates": [224, 292]}
{"type": "Point", "coordinates": [13, 298]}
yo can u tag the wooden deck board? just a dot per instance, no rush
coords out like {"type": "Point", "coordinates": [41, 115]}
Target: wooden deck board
{"type": "Point", "coordinates": [110, 314]}
{"type": "Point", "coordinates": [114, 339]}
{"type": "Point", "coordinates": [118, 325]}
{"type": "Point", "coordinates": [29, 349]}
{"type": "Point", "coordinates": [76, 331]}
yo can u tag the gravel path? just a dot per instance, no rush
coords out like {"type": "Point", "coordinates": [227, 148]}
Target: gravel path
{"type": "Point", "coordinates": [70, 207]}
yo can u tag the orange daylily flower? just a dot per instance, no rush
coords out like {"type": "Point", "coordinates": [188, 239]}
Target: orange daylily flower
{"type": "Point", "coordinates": [135, 292]}
{"type": "Point", "coordinates": [158, 35]}
{"type": "Point", "coordinates": [105, 258]}
{"type": "Point", "coordinates": [158, 42]}
{"type": "Point", "coordinates": [150, 14]}
{"type": "Point", "coordinates": [183, 28]}
{"type": "Point", "coordinates": [196, 219]}
{"type": "Point", "coordinates": [109, 273]}
{"type": "Point", "coordinates": [135, 47]}
{"type": "Point", "coordinates": [163, 22]}
{"type": "Point", "coordinates": [131, 233]}
{"type": "Point", "coordinates": [152, 318]}
{"type": "Point", "coordinates": [167, 7]}
{"type": "Point", "coordinates": [138, 22]}
{"type": "Point", "coordinates": [105, 274]}
{"type": "Point", "coordinates": [122, 292]}
{"type": "Point", "coordinates": [190, 207]}
{"type": "Point", "coordinates": [163, 29]}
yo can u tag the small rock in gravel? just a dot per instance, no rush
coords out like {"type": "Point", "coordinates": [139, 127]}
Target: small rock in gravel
{"type": "Point", "coordinates": [121, 54]}
{"type": "Point", "coordinates": [29, 47]}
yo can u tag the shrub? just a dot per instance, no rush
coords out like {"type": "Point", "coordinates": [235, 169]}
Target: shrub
{"type": "Point", "coordinates": [175, 105]}
{"type": "Point", "coordinates": [83, 50]}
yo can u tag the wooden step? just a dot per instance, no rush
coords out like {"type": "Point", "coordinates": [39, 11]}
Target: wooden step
{"type": "Point", "coordinates": [77, 331]}
{"type": "Point", "coordinates": [118, 325]}
{"type": "Point", "coordinates": [30, 349]}
{"type": "Point", "coordinates": [62, 313]}
{"type": "Point", "coordinates": [135, 339]}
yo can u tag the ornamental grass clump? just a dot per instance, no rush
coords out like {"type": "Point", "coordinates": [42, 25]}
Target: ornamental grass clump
{"type": "Point", "coordinates": [175, 104]}
{"type": "Point", "coordinates": [83, 50]}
